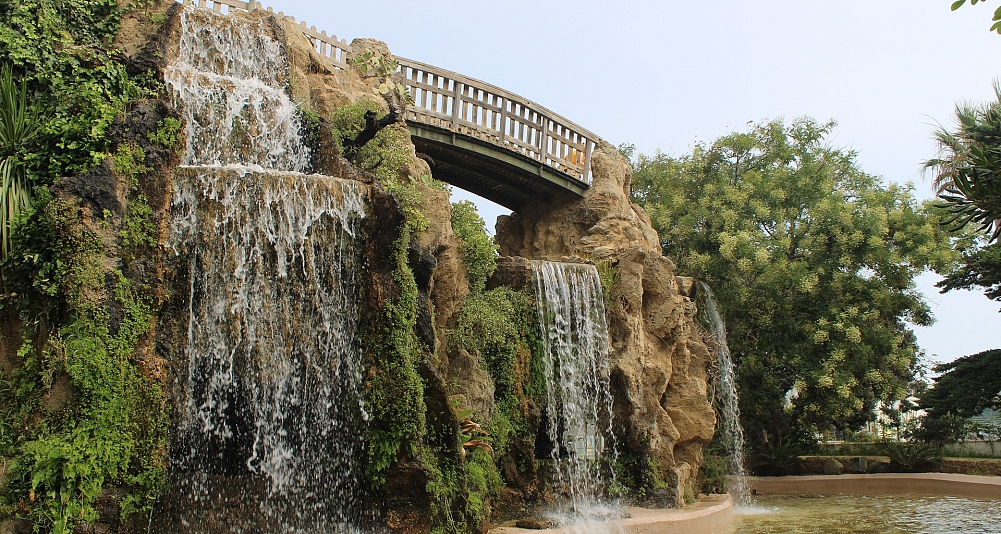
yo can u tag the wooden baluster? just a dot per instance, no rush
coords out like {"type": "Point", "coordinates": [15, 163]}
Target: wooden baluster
{"type": "Point", "coordinates": [503, 119]}
{"type": "Point", "coordinates": [544, 140]}
{"type": "Point", "coordinates": [586, 176]}
{"type": "Point", "coordinates": [456, 104]}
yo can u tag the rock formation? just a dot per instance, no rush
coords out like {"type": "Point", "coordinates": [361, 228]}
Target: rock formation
{"type": "Point", "coordinates": [418, 379]}
{"type": "Point", "coordinates": [659, 362]}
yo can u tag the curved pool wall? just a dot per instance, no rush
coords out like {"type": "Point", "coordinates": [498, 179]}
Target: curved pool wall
{"type": "Point", "coordinates": [711, 515]}
{"type": "Point", "coordinates": [969, 486]}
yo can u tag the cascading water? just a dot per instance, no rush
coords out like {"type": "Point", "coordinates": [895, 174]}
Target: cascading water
{"type": "Point", "coordinates": [726, 380]}
{"type": "Point", "coordinates": [579, 405]}
{"type": "Point", "coordinates": [268, 430]}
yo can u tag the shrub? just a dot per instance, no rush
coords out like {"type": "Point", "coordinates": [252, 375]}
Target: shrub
{"type": "Point", "coordinates": [777, 459]}
{"type": "Point", "coordinates": [479, 253]}
{"type": "Point", "coordinates": [910, 457]}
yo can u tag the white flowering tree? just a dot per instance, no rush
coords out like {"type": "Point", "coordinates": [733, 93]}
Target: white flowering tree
{"type": "Point", "coordinates": [812, 261]}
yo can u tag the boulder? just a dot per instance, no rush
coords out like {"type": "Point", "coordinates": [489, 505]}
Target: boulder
{"type": "Point", "coordinates": [833, 467]}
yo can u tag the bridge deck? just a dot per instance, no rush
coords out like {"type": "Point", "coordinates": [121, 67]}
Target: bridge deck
{"type": "Point", "coordinates": [490, 171]}
{"type": "Point", "coordinates": [477, 136]}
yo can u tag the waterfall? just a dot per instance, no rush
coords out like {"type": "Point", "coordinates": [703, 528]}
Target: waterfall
{"type": "Point", "coordinates": [270, 403]}
{"type": "Point", "coordinates": [575, 363]}
{"type": "Point", "coordinates": [726, 382]}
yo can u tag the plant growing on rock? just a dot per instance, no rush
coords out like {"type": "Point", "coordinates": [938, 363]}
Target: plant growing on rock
{"type": "Point", "coordinates": [20, 120]}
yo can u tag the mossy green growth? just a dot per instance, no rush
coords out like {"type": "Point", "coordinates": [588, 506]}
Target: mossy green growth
{"type": "Point", "coordinates": [62, 48]}
{"type": "Point", "coordinates": [385, 154]}
{"type": "Point", "coordinates": [608, 276]}
{"type": "Point", "coordinates": [168, 133]}
{"type": "Point", "coordinates": [395, 394]}
{"type": "Point", "coordinates": [459, 494]}
{"type": "Point", "coordinates": [83, 328]}
{"type": "Point", "coordinates": [479, 252]}
{"type": "Point", "coordinates": [501, 326]}
{"type": "Point", "coordinates": [137, 228]}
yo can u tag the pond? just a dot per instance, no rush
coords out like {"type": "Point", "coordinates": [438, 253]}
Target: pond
{"type": "Point", "coordinates": [858, 514]}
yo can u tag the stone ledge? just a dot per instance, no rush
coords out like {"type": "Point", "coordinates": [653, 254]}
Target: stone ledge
{"type": "Point", "coordinates": [969, 486]}
{"type": "Point", "coordinates": [711, 515]}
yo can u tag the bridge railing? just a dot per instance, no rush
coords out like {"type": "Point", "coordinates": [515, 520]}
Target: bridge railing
{"type": "Point", "coordinates": [464, 105]}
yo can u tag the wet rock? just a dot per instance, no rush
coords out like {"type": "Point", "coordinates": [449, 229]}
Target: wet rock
{"type": "Point", "coordinates": [537, 523]}
{"type": "Point", "coordinates": [658, 364]}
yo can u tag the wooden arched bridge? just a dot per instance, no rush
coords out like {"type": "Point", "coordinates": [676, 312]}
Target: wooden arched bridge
{"type": "Point", "coordinates": [478, 137]}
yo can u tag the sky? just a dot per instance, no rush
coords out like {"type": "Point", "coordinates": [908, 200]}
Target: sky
{"type": "Point", "coordinates": [665, 74]}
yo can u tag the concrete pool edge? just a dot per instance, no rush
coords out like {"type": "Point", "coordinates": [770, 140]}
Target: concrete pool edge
{"type": "Point", "coordinates": [969, 486]}
{"type": "Point", "coordinates": [711, 515]}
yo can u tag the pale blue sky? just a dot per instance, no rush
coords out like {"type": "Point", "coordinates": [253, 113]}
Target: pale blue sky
{"type": "Point", "coordinates": [664, 74]}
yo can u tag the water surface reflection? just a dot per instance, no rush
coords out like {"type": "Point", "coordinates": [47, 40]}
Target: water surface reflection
{"type": "Point", "coordinates": [861, 514]}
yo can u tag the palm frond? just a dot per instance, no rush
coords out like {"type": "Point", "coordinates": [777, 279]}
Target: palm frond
{"type": "Point", "coordinates": [20, 120]}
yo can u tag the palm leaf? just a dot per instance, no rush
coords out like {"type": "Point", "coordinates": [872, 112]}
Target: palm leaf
{"type": "Point", "coordinates": [20, 120]}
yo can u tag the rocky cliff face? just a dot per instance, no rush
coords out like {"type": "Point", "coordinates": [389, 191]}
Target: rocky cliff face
{"type": "Point", "coordinates": [659, 362]}
{"type": "Point", "coordinates": [426, 366]}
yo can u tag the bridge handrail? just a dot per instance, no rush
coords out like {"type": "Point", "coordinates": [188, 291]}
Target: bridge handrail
{"type": "Point", "coordinates": [464, 105]}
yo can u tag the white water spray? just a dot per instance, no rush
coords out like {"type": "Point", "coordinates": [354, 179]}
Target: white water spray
{"type": "Point", "coordinates": [579, 405]}
{"type": "Point", "coordinates": [268, 434]}
{"type": "Point", "coordinates": [727, 387]}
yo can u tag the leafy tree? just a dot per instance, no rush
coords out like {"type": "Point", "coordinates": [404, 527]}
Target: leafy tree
{"type": "Point", "coordinates": [968, 166]}
{"type": "Point", "coordinates": [812, 261]}
{"type": "Point", "coordinates": [996, 27]}
{"type": "Point", "coordinates": [967, 386]}
{"type": "Point", "coordinates": [966, 174]}
{"type": "Point", "coordinates": [979, 267]}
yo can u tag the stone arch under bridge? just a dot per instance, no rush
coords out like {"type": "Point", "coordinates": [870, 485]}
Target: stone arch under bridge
{"type": "Point", "coordinates": [477, 136]}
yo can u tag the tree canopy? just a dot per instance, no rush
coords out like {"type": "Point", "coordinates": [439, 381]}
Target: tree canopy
{"type": "Point", "coordinates": [968, 168]}
{"type": "Point", "coordinates": [812, 261]}
{"type": "Point", "coordinates": [967, 386]}
{"type": "Point", "coordinates": [980, 267]}
{"type": "Point", "coordinates": [996, 27]}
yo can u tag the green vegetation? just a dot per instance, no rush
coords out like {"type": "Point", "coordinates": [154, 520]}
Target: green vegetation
{"type": "Point", "coordinates": [168, 134]}
{"type": "Point", "coordinates": [996, 27]}
{"type": "Point", "coordinates": [712, 477]}
{"type": "Point", "coordinates": [108, 426]}
{"type": "Point", "coordinates": [777, 458]}
{"type": "Point", "coordinates": [20, 121]}
{"type": "Point", "coordinates": [384, 155]}
{"type": "Point", "coordinates": [966, 387]}
{"type": "Point", "coordinates": [499, 327]}
{"type": "Point", "coordinates": [812, 261]}
{"type": "Point", "coordinates": [395, 394]}
{"type": "Point", "coordinates": [61, 50]}
{"type": "Point", "coordinates": [979, 267]}
{"type": "Point", "coordinates": [79, 416]}
{"type": "Point", "coordinates": [478, 250]}
{"type": "Point", "coordinates": [399, 427]}
{"type": "Point", "coordinates": [967, 167]}
{"type": "Point", "coordinates": [910, 457]}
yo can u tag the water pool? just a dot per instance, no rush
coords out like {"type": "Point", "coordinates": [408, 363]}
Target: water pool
{"type": "Point", "coordinates": [861, 514]}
